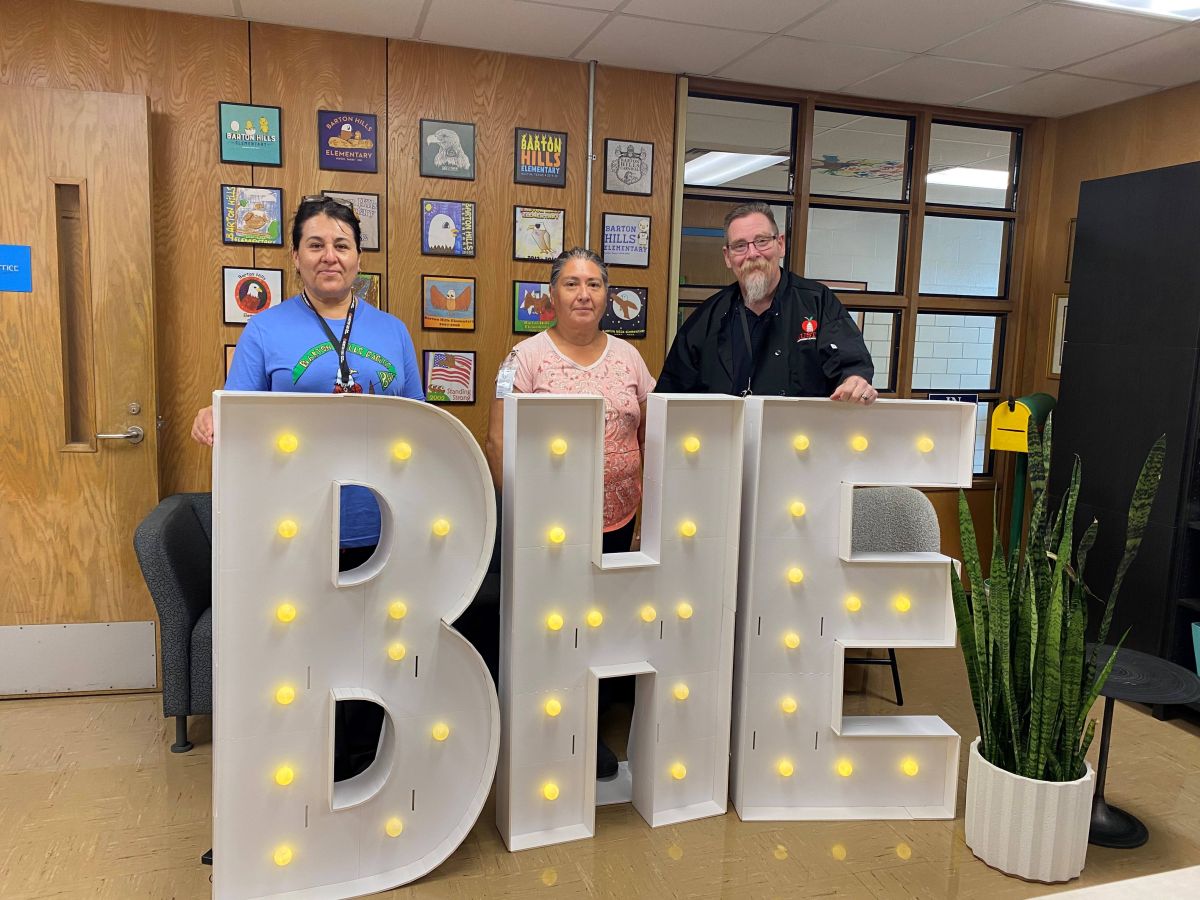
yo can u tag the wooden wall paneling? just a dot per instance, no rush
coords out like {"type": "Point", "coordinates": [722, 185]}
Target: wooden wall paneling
{"type": "Point", "coordinates": [498, 92]}
{"type": "Point", "coordinates": [639, 106]}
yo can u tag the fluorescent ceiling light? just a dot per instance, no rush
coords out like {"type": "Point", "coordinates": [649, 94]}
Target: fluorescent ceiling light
{"type": "Point", "coordinates": [715, 168]}
{"type": "Point", "coordinates": [1187, 10]}
{"type": "Point", "coordinates": [995, 179]}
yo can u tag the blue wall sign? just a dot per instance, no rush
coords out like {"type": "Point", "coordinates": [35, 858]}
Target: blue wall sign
{"type": "Point", "coordinates": [16, 268]}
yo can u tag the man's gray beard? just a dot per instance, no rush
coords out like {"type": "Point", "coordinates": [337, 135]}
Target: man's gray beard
{"type": "Point", "coordinates": [754, 285]}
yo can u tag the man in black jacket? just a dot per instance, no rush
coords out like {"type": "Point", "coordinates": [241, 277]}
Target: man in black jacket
{"type": "Point", "coordinates": [771, 333]}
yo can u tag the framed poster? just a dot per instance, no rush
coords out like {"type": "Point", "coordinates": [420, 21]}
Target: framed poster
{"type": "Point", "coordinates": [1058, 340]}
{"type": "Point", "coordinates": [540, 157]}
{"type": "Point", "coordinates": [366, 207]}
{"type": "Point", "coordinates": [229, 348]}
{"type": "Point", "coordinates": [447, 302]}
{"type": "Point", "coordinates": [366, 287]}
{"type": "Point", "coordinates": [532, 309]}
{"type": "Point", "coordinates": [625, 312]}
{"type": "Point", "coordinates": [251, 215]}
{"type": "Point", "coordinates": [537, 233]}
{"type": "Point", "coordinates": [346, 141]}
{"type": "Point", "coordinates": [250, 134]}
{"type": "Point", "coordinates": [449, 376]}
{"type": "Point", "coordinates": [249, 292]}
{"type": "Point", "coordinates": [447, 149]}
{"type": "Point", "coordinates": [628, 167]}
{"type": "Point", "coordinates": [448, 227]}
{"type": "Point", "coordinates": [834, 285]}
{"type": "Point", "coordinates": [626, 240]}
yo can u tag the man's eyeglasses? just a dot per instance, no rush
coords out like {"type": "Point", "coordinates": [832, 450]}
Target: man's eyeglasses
{"type": "Point", "coordinates": [762, 244]}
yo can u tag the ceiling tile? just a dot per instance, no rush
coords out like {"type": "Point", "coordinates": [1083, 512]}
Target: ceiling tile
{"type": "Point", "coordinates": [768, 16]}
{"type": "Point", "coordinates": [509, 26]}
{"type": "Point", "coordinates": [1055, 94]}
{"type": "Point", "coordinates": [1049, 37]}
{"type": "Point", "coordinates": [666, 46]}
{"type": "Point", "coordinates": [810, 65]}
{"type": "Point", "coordinates": [948, 82]}
{"type": "Point", "coordinates": [1166, 61]}
{"type": "Point", "coordinates": [397, 19]}
{"type": "Point", "coordinates": [921, 24]}
{"type": "Point", "coordinates": [607, 5]}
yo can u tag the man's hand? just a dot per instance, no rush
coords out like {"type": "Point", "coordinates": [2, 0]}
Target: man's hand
{"type": "Point", "coordinates": [202, 427]}
{"type": "Point", "coordinates": [855, 389]}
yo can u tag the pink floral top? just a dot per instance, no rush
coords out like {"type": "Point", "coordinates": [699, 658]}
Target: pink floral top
{"type": "Point", "coordinates": [622, 379]}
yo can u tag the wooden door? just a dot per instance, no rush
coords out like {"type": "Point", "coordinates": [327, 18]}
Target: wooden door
{"type": "Point", "coordinates": [76, 358]}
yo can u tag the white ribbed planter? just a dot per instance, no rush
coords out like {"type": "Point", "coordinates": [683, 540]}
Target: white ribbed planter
{"type": "Point", "coordinates": [1033, 829]}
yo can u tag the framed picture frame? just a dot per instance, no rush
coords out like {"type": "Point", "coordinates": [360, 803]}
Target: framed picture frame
{"type": "Point", "coordinates": [447, 303]}
{"type": "Point", "coordinates": [625, 312]}
{"type": "Point", "coordinates": [628, 167]}
{"type": "Point", "coordinates": [1058, 337]}
{"type": "Point", "coordinates": [540, 157]}
{"type": "Point", "coordinates": [251, 215]}
{"type": "Point", "coordinates": [368, 287]}
{"type": "Point", "coordinates": [449, 376]}
{"type": "Point", "coordinates": [251, 134]}
{"type": "Point", "coordinates": [626, 240]}
{"type": "Point", "coordinates": [229, 349]}
{"type": "Point", "coordinates": [347, 141]}
{"type": "Point", "coordinates": [835, 285]}
{"type": "Point", "coordinates": [448, 228]}
{"type": "Point", "coordinates": [249, 291]}
{"type": "Point", "coordinates": [532, 310]}
{"type": "Point", "coordinates": [538, 233]}
{"type": "Point", "coordinates": [1070, 249]}
{"type": "Point", "coordinates": [447, 149]}
{"type": "Point", "coordinates": [366, 207]}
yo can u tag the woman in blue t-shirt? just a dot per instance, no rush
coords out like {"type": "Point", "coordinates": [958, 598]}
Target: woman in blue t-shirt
{"type": "Point", "coordinates": [325, 340]}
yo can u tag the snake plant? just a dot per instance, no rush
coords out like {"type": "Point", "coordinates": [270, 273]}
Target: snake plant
{"type": "Point", "coordinates": [1032, 680]}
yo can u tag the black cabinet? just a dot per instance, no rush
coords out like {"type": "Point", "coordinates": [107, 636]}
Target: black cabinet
{"type": "Point", "coordinates": [1129, 374]}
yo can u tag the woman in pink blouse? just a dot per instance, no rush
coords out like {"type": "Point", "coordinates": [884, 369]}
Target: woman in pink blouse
{"type": "Point", "coordinates": [574, 356]}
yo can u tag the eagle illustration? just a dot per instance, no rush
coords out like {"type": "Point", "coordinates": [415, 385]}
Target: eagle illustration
{"type": "Point", "coordinates": [538, 305]}
{"type": "Point", "coordinates": [442, 232]}
{"type": "Point", "coordinates": [450, 300]}
{"type": "Point", "coordinates": [541, 237]}
{"type": "Point", "coordinates": [450, 153]}
{"type": "Point", "coordinates": [626, 308]}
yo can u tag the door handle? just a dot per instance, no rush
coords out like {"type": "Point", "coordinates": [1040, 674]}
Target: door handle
{"type": "Point", "coordinates": [134, 434]}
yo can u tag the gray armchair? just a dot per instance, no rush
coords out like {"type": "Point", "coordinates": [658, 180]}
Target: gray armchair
{"type": "Point", "coordinates": [174, 549]}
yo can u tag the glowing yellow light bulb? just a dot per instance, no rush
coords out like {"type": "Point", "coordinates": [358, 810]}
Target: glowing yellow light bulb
{"type": "Point", "coordinates": [549, 877]}
{"type": "Point", "coordinates": [781, 852]}
{"type": "Point", "coordinates": [681, 691]}
{"type": "Point", "coordinates": [797, 509]}
{"type": "Point", "coordinates": [285, 695]}
{"type": "Point", "coordinates": [553, 707]}
{"type": "Point", "coordinates": [925, 444]}
{"type": "Point", "coordinates": [401, 450]}
{"type": "Point", "coordinates": [550, 790]}
{"type": "Point", "coordinates": [595, 618]}
{"type": "Point", "coordinates": [287, 443]}
{"type": "Point", "coordinates": [441, 731]}
{"type": "Point", "coordinates": [795, 574]}
{"type": "Point", "coordinates": [556, 535]}
{"type": "Point", "coordinates": [679, 771]}
{"type": "Point", "coordinates": [684, 610]}
{"type": "Point", "coordinates": [397, 609]}
{"type": "Point", "coordinates": [648, 613]}
{"type": "Point", "coordinates": [285, 612]}
{"type": "Point", "coordinates": [396, 651]}
{"type": "Point", "coordinates": [554, 622]}
{"type": "Point", "coordinates": [675, 852]}
{"type": "Point", "coordinates": [288, 529]}
{"type": "Point", "coordinates": [791, 640]}
{"type": "Point", "coordinates": [441, 527]}
{"type": "Point", "coordinates": [687, 528]}
{"type": "Point", "coordinates": [853, 603]}
{"type": "Point", "coordinates": [838, 852]}
{"type": "Point", "coordinates": [284, 776]}
{"type": "Point", "coordinates": [785, 768]}
{"type": "Point", "coordinates": [845, 768]}
{"type": "Point", "coordinates": [558, 447]}
{"type": "Point", "coordinates": [858, 443]}
{"type": "Point", "coordinates": [910, 767]}
{"type": "Point", "coordinates": [282, 855]}
{"type": "Point", "coordinates": [691, 444]}
{"type": "Point", "coordinates": [393, 827]}
{"type": "Point", "coordinates": [800, 442]}
{"type": "Point", "coordinates": [902, 603]}
{"type": "Point", "coordinates": [788, 705]}
{"type": "Point", "coordinates": [903, 850]}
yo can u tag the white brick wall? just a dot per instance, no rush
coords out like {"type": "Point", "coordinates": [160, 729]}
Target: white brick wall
{"type": "Point", "coordinates": [961, 257]}
{"type": "Point", "coordinates": [878, 330]}
{"type": "Point", "coordinates": [954, 352]}
{"type": "Point", "coordinates": [847, 245]}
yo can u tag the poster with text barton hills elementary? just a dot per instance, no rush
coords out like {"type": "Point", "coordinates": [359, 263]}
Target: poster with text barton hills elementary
{"type": "Point", "coordinates": [347, 141]}
{"type": "Point", "coordinates": [541, 157]}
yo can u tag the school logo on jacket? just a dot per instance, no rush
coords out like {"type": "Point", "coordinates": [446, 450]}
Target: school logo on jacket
{"type": "Point", "coordinates": [808, 330]}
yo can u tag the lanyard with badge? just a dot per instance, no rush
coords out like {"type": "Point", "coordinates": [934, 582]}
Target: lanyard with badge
{"type": "Point", "coordinates": [344, 384]}
{"type": "Point", "coordinates": [749, 350]}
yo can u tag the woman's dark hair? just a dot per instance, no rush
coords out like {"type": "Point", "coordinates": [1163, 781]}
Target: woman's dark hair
{"type": "Point", "coordinates": [583, 253]}
{"type": "Point", "coordinates": [329, 206]}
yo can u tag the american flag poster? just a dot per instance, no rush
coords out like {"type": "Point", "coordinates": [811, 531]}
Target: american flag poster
{"type": "Point", "coordinates": [450, 376]}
